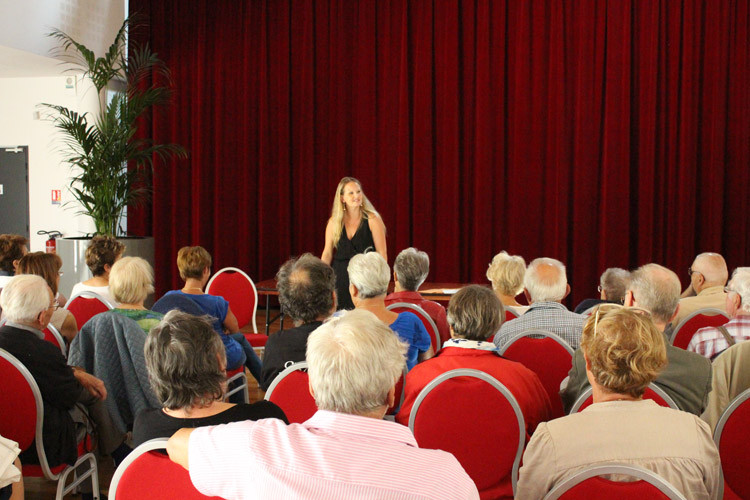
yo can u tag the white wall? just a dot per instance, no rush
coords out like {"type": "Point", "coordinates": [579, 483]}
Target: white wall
{"type": "Point", "coordinates": [19, 126]}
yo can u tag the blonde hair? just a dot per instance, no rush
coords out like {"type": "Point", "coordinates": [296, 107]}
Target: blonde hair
{"type": "Point", "coordinates": [337, 212]}
{"type": "Point", "coordinates": [131, 280]}
{"type": "Point", "coordinates": [625, 350]}
{"type": "Point", "coordinates": [506, 273]}
{"type": "Point", "coordinates": [191, 261]}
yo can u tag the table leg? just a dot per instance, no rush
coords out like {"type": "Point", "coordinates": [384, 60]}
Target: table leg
{"type": "Point", "coordinates": [268, 312]}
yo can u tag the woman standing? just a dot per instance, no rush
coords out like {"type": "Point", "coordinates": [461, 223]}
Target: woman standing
{"type": "Point", "coordinates": [354, 227]}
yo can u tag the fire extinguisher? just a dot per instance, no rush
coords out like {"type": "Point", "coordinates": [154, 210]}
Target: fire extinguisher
{"type": "Point", "coordinates": [51, 245]}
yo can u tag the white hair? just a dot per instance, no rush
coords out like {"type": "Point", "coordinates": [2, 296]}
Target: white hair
{"type": "Point", "coordinates": [370, 274]}
{"type": "Point", "coordinates": [412, 267]}
{"type": "Point", "coordinates": [131, 280]}
{"type": "Point", "coordinates": [24, 297]}
{"type": "Point", "coordinates": [546, 286]}
{"type": "Point", "coordinates": [740, 284]}
{"type": "Point", "coordinates": [354, 359]}
{"type": "Point", "coordinates": [657, 290]}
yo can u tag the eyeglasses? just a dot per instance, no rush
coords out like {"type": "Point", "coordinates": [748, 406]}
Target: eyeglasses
{"type": "Point", "coordinates": [60, 273]}
{"type": "Point", "coordinates": [729, 290]}
{"type": "Point", "coordinates": [691, 271]}
{"type": "Point", "coordinates": [605, 309]}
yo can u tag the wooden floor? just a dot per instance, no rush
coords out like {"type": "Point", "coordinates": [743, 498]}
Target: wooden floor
{"type": "Point", "coordinates": [41, 489]}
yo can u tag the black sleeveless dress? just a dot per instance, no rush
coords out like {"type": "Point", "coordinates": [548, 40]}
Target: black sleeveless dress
{"type": "Point", "coordinates": [361, 242]}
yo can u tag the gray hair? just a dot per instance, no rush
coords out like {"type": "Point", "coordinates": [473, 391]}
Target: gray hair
{"type": "Point", "coordinates": [24, 297]}
{"type": "Point", "coordinates": [740, 284]}
{"type": "Point", "coordinates": [614, 282]}
{"type": "Point", "coordinates": [713, 267]}
{"type": "Point", "coordinates": [306, 285]}
{"type": "Point", "coordinates": [182, 358]}
{"type": "Point", "coordinates": [475, 313]}
{"type": "Point", "coordinates": [354, 360]}
{"type": "Point", "coordinates": [656, 289]}
{"type": "Point", "coordinates": [370, 274]}
{"type": "Point", "coordinates": [506, 273]}
{"type": "Point", "coordinates": [546, 280]}
{"type": "Point", "coordinates": [131, 280]}
{"type": "Point", "coordinates": [412, 267]}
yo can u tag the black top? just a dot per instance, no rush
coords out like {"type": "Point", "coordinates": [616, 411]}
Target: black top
{"type": "Point", "coordinates": [587, 304]}
{"type": "Point", "coordinates": [283, 348]}
{"type": "Point", "coordinates": [154, 423]}
{"type": "Point", "coordinates": [347, 248]}
{"type": "Point", "coordinates": [59, 388]}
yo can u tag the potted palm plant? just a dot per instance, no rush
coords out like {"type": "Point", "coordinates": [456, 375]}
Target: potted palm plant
{"type": "Point", "coordinates": [111, 164]}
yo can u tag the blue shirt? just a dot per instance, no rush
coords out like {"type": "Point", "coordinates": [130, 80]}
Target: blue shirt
{"type": "Point", "coordinates": [411, 330]}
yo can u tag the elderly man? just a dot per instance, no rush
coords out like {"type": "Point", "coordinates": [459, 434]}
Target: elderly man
{"type": "Point", "coordinates": [687, 376]}
{"type": "Point", "coordinates": [731, 378]}
{"type": "Point", "coordinates": [612, 286]}
{"type": "Point", "coordinates": [307, 294]}
{"type": "Point", "coordinates": [409, 272]}
{"type": "Point", "coordinates": [28, 304]}
{"type": "Point", "coordinates": [346, 450]}
{"type": "Point", "coordinates": [711, 341]}
{"type": "Point", "coordinates": [708, 275]}
{"type": "Point", "coordinates": [545, 286]}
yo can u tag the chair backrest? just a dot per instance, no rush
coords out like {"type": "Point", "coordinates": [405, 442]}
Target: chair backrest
{"type": "Point", "coordinates": [510, 314]}
{"type": "Point", "coordinates": [147, 473]}
{"type": "Point", "coordinates": [653, 392]}
{"type": "Point", "coordinates": [400, 393]}
{"type": "Point", "coordinates": [701, 318]}
{"type": "Point", "coordinates": [290, 391]}
{"type": "Point", "coordinates": [550, 357]}
{"type": "Point", "coordinates": [731, 438]}
{"type": "Point", "coordinates": [52, 335]}
{"type": "Point", "coordinates": [429, 324]}
{"type": "Point", "coordinates": [588, 484]}
{"type": "Point", "coordinates": [239, 290]}
{"type": "Point", "coordinates": [447, 414]}
{"type": "Point", "coordinates": [86, 305]}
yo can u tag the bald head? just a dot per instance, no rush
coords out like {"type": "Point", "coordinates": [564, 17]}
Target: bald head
{"type": "Point", "coordinates": [709, 269]}
{"type": "Point", "coordinates": [656, 289]}
{"type": "Point", "coordinates": [546, 281]}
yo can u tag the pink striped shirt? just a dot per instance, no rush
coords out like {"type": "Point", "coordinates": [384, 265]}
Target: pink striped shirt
{"type": "Point", "coordinates": [331, 455]}
{"type": "Point", "coordinates": [709, 341]}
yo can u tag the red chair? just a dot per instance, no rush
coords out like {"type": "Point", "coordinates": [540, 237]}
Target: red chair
{"type": "Point", "coordinates": [653, 392]}
{"type": "Point", "coordinates": [52, 335]}
{"type": "Point", "coordinates": [86, 305]}
{"type": "Point", "coordinates": [731, 438]}
{"type": "Point", "coordinates": [701, 318]}
{"type": "Point", "coordinates": [484, 428]}
{"type": "Point", "coordinates": [429, 324]}
{"type": "Point", "coordinates": [400, 393]}
{"type": "Point", "coordinates": [290, 391]}
{"type": "Point", "coordinates": [22, 411]}
{"type": "Point", "coordinates": [550, 357]}
{"type": "Point", "coordinates": [239, 290]}
{"type": "Point", "coordinates": [237, 382]}
{"type": "Point", "coordinates": [147, 473]}
{"type": "Point", "coordinates": [509, 315]}
{"type": "Point", "coordinates": [588, 484]}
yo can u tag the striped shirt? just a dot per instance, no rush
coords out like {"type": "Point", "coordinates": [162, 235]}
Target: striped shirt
{"type": "Point", "coordinates": [550, 316]}
{"type": "Point", "coordinates": [331, 455]}
{"type": "Point", "coordinates": [709, 341]}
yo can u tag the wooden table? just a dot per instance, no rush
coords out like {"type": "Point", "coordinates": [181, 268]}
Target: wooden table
{"type": "Point", "coordinates": [439, 292]}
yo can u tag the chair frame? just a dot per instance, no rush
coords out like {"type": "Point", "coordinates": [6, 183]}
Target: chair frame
{"type": "Point", "coordinates": [468, 372]}
{"type": "Point", "coordinates": [587, 394]}
{"type": "Point", "coordinates": [513, 313]}
{"type": "Point", "coordinates": [422, 314]}
{"type": "Point", "coordinates": [62, 476]}
{"type": "Point", "coordinates": [252, 283]}
{"type": "Point", "coordinates": [708, 311]}
{"type": "Point", "coordinates": [300, 365]}
{"type": "Point", "coordinates": [143, 448]}
{"type": "Point", "coordinates": [88, 294]}
{"type": "Point", "coordinates": [736, 402]}
{"type": "Point", "coordinates": [631, 470]}
{"type": "Point", "coordinates": [56, 333]}
{"type": "Point", "coordinates": [240, 388]}
{"type": "Point", "coordinates": [543, 333]}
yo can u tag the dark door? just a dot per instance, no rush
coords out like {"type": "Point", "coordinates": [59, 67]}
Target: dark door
{"type": "Point", "coordinates": [14, 190]}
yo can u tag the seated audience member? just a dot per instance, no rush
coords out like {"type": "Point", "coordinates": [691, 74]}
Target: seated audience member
{"type": "Point", "coordinates": [711, 341]}
{"type": "Point", "coordinates": [47, 265]}
{"type": "Point", "coordinates": [110, 345]}
{"type": "Point", "coordinates": [101, 255]}
{"type": "Point", "coordinates": [368, 283]}
{"type": "Point", "coordinates": [708, 275]}
{"type": "Point", "coordinates": [506, 273]}
{"type": "Point", "coordinates": [187, 368]}
{"type": "Point", "coordinates": [624, 352]}
{"type": "Point", "coordinates": [307, 295]}
{"type": "Point", "coordinates": [612, 286]}
{"type": "Point", "coordinates": [545, 286]}
{"type": "Point", "coordinates": [410, 269]}
{"type": "Point", "coordinates": [346, 450]}
{"type": "Point", "coordinates": [12, 248]}
{"type": "Point", "coordinates": [687, 376]}
{"type": "Point", "coordinates": [731, 377]}
{"type": "Point", "coordinates": [194, 264]}
{"type": "Point", "coordinates": [71, 396]}
{"type": "Point", "coordinates": [11, 481]}
{"type": "Point", "coordinates": [474, 312]}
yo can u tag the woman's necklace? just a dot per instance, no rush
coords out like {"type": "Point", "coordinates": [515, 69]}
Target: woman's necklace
{"type": "Point", "coordinates": [185, 289]}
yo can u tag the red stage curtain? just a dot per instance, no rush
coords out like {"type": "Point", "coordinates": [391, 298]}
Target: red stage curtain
{"type": "Point", "coordinates": [601, 133]}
